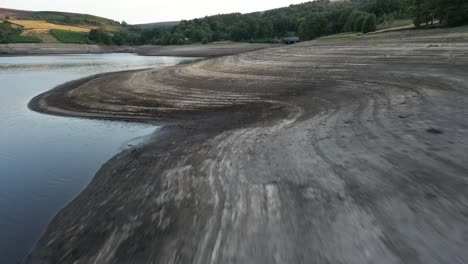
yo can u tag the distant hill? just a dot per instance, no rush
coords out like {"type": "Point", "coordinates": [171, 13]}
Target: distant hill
{"type": "Point", "coordinates": [4, 12]}
{"type": "Point", "coordinates": [61, 18]}
{"type": "Point", "coordinates": [47, 26]}
{"type": "Point", "coordinates": [169, 24]}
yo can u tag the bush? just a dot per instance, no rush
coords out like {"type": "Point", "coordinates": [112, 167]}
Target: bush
{"type": "Point", "coordinates": [369, 24]}
{"type": "Point", "coordinates": [204, 41]}
{"type": "Point", "coordinates": [67, 36]}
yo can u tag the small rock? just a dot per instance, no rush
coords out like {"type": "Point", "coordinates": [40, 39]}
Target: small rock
{"type": "Point", "coordinates": [430, 196]}
{"type": "Point", "coordinates": [434, 131]}
{"type": "Point", "coordinates": [340, 196]}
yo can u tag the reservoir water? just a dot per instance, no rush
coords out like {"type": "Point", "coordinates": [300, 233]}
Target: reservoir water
{"type": "Point", "coordinates": [45, 161]}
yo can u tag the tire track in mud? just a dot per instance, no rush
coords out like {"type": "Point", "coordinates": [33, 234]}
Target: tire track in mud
{"type": "Point", "coordinates": [309, 153]}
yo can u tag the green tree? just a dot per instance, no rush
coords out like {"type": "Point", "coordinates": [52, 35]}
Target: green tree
{"type": "Point", "coordinates": [456, 12]}
{"type": "Point", "coordinates": [354, 21]}
{"type": "Point", "coordinates": [450, 12]}
{"type": "Point", "coordinates": [240, 31]}
{"type": "Point", "coordinates": [313, 26]}
{"type": "Point", "coordinates": [99, 36]}
{"type": "Point", "coordinates": [369, 24]}
{"type": "Point", "coordinates": [118, 39]}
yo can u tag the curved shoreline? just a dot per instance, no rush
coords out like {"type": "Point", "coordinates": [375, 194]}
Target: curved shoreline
{"type": "Point", "coordinates": [311, 152]}
{"type": "Point", "coordinates": [39, 105]}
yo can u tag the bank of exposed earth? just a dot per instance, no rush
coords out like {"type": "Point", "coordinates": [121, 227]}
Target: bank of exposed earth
{"type": "Point", "coordinates": [322, 152]}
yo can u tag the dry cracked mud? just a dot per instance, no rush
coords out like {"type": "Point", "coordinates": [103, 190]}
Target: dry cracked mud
{"type": "Point", "coordinates": [311, 153]}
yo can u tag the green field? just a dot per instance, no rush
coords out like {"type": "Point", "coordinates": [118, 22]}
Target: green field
{"type": "Point", "coordinates": [66, 36]}
{"type": "Point", "coordinates": [20, 39]}
{"type": "Point", "coordinates": [26, 39]}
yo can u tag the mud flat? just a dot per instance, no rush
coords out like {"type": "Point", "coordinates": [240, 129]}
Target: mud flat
{"type": "Point", "coordinates": [197, 50]}
{"type": "Point", "coordinates": [321, 152]}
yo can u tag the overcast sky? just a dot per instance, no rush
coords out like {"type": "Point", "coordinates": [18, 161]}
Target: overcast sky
{"type": "Point", "coordinates": [144, 11]}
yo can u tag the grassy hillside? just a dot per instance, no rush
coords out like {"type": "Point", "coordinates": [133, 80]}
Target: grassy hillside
{"type": "Point", "coordinates": [305, 21]}
{"type": "Point", "coordinates": [81, 20]}
{"type": "Point", "coordinates": [50, 27]}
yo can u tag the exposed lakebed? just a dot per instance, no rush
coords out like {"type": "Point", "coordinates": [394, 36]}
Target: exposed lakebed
{"type": "Point", "coordinates": [45, 161]}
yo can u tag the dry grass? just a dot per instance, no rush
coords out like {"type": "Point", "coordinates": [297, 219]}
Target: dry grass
{"type": "Point", "coordinates": [43, 26]}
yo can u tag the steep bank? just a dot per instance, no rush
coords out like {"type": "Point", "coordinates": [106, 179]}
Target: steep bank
{"type": "Point", "coordinates": [321, 152]}
{"type": "Point", "coordinates": [50, 48]}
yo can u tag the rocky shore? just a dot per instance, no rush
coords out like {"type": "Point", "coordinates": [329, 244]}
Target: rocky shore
{"type": "Point", "coordinates": [320, 152]}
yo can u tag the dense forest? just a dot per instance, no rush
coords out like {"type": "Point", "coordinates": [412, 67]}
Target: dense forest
{"type": "Point", "coordinates": [306, 21]}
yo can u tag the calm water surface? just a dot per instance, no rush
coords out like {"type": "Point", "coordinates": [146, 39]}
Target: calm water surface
{"type": "Point", "coordinates": [45, 161]}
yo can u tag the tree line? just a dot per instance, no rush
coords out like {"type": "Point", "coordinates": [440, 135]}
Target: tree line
{"type": "Point", "coordinates": [449, 12]}
{"type": "Point", "coordinates": [306, 21]}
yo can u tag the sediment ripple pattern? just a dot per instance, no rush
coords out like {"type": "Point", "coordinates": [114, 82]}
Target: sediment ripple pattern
{"type": "Point", "coordinates": [311, 153]}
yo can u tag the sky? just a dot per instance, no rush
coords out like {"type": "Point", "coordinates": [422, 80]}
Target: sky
{"type": "Point", "coordinates": [146, 11]}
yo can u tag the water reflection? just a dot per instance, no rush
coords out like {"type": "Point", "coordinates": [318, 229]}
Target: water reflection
{"type": "Point", "coordinates": [45, 160]}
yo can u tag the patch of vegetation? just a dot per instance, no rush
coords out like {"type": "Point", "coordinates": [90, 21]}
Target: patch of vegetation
{"type": "Point", "coordinates": [67, 36]}
{"type": "Point", "coordinates": [6, 28]}
{"type": "Point", "coordinates": [23, 39]}
{"type": "Point", "coordinates": [10, 33]}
